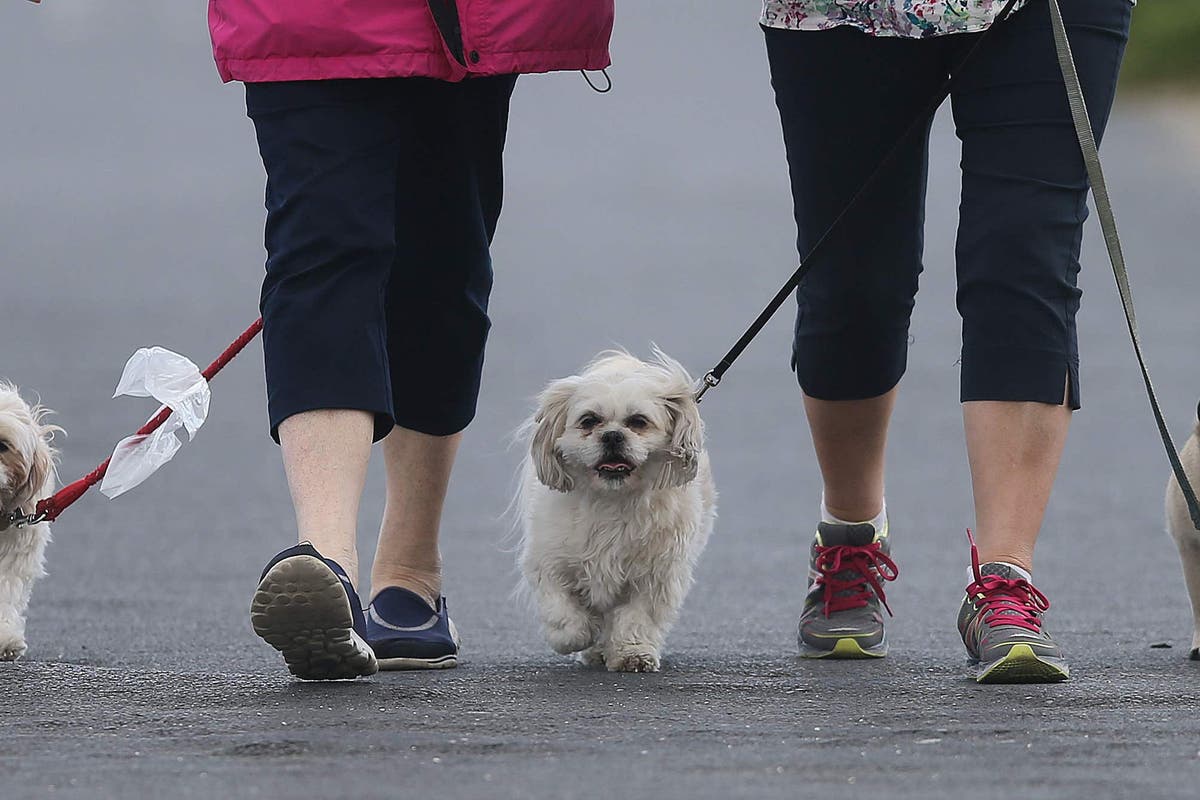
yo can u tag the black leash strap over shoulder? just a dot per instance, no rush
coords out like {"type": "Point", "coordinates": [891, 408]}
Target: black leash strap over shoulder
{"type": "Point", "coordinates": [714, 376]}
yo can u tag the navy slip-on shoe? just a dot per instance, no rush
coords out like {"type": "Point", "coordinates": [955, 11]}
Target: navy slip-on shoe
{"type": "Point", "coordinates": [307, 609]}
{"type": "Point", "coordinates": [406, 633]}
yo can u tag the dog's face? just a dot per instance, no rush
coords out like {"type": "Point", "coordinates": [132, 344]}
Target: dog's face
{"type": "Point", "coordinates": [622, 425]}
{"type": "Point", "coordinates": [26, 457]}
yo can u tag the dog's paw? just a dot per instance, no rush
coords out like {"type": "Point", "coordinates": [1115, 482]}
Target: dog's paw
{"type": "Point", "coordinates": [626, 660]}
{"type": "Point", "coordinates": [592, 657]}
{"type": "Point", "coordinates": [572, 634]}
{"type": "Point", "coordinates": [12, 646]}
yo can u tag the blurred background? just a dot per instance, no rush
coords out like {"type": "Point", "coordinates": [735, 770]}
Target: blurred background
{"type": "Point", "coordinates": [1165, 50]}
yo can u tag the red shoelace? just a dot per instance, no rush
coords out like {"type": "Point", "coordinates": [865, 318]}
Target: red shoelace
{"type": "Point", "coordinates": [1003, 601]}
{"type": "Point", "coordinates": [869, 564]}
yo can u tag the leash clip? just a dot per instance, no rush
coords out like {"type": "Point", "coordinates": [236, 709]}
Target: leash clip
{"type": "Point", "coordinates": [710, 381]}
{"type": "Point", "coordinates": [16, 519]}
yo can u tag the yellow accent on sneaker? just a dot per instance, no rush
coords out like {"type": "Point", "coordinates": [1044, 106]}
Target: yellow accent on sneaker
{"type": "Point", "coordinates": [850, 648]}
{"type": "Point", "coordinates": [1022, 665]}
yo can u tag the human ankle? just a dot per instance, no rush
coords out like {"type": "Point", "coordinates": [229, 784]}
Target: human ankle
{"type": "Point", "coordinates": [875, 513]}
{"type": "Point", "coordinates": [427, 583]}
{"type": "Point", "coordinates": [346, 558]}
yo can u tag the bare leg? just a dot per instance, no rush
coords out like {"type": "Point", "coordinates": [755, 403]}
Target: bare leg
{"type": "Point", "coordinates": [325, 456]}
{"type": "Point", "coordinates": [850, 437]}
{"type": "Point", "coordinates": [1014, 450]}
{"type": "Point", "coordinates": [418, 471]}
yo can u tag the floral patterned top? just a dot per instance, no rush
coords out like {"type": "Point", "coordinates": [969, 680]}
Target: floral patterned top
{"type": "Point", "coordinates": [913, 19]}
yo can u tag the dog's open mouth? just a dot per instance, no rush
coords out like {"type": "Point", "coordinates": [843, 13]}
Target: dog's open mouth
{"type": "Point", "coordinates": [614, 468]}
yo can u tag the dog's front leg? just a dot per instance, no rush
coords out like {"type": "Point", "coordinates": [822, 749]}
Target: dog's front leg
{"type": "Point", "coordinates": [14, 598]}
{"type": "Point", "coordinates": [1189, 552]}
{"type": "Point", "coordinates": [638, 628]}
{"type": "Point", "coordinates": [636, 639]}
{"type": "Point", "coordinates": [21, 559]}
{"type": "Point", "coordinates": [12, 633]}
{"type": "Point", "coordinates": [568, 626]}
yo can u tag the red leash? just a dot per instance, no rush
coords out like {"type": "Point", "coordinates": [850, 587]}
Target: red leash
{"type": "Point", "coordinates": [49, 509]}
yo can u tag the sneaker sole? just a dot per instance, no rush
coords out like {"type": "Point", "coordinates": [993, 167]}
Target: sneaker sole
{"type": "Point", "coordinates": [300, 608]}
{"type": "Point", "coordinates": [445, 662]}
{"type": "Point", "coordinates": [1022, 665]}
{"type": "Point", "coordinates": [441, 662]}
{"type": "Point", "coordinates": [844, 648]}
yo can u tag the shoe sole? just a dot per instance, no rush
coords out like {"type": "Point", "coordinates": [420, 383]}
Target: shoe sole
{"type": "Point", "coordinates": [1022, 665]}
{"type": "Point", "coordinates": [445, 662]}
{"type": "Point", "coordinates": [300, 608]}
{"type": "Point", "coordinates": [845, 648]}
{"type": "Point", "coordinates": [441, 662]}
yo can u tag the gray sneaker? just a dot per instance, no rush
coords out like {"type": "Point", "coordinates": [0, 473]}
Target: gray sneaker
{"type": "Point", "coordinates": [1000, 622]}
{"type": "Point", "coordinates": [841, 617]}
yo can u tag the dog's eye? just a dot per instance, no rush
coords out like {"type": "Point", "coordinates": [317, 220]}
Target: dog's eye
{"type": "Point", "coordinates": [588, 421]}
{"type": "Point", "coordinates": [637, 422]}
{"type": "Point", "coordinates": [3, 447]}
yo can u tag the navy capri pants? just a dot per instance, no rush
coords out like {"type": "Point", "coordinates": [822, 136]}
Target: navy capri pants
{"type": "Point", "coordinates": [844, 98]}
{"type": "Point", "coordinates": [382, 200]}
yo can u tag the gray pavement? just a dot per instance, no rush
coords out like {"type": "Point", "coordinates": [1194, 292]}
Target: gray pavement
{"type": "Point", "coordinates": [130, 215]}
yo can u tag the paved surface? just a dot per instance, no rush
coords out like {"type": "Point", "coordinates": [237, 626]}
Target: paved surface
{"type": "Point", "coordinates": [131, 214]}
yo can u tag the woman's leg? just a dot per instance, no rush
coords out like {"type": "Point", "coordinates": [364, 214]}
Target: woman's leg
{"type": "Point", "coordinates": [418, 473]}
{"type": "Point", "coordinates": [325, 455]}
{"type": "Point", "coordinates": [449, 193]}
{"type": "Point", "coordinates": [1014, 449]}
{"type": "Point", "coordinates": [850, 439]}
{"type": "Point", "coordinates": [328, 148]}
{"type": "Point", "coordinates": [844, 100]}
{"type": "Point", "coordinates": [1024, 202]}
{"type": "Point", "coordinates": [1023, 206]}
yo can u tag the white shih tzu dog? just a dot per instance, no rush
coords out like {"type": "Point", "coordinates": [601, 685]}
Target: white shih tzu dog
{"type": "Point", "coordinates": [26, 476]}
{"type": "Point", "coordinates": [617, 501]}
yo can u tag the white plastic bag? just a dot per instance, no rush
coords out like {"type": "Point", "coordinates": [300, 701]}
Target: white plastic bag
{"type": "Point", "coordinates": [175, 382]}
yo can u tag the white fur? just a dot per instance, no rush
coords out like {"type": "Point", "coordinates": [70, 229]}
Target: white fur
{"type": "Point", "coordinates": [609, 560]}
{"type": "Point", "coordinates": [26, 476]}
{"type": "Point", "coordinates": [1179, 525]}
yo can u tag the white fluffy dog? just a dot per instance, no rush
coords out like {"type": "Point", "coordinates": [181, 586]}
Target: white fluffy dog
{"type": "Point", "coordinates": [617, 501]}
{"type": "Point", "coordinates": [1180, 526]}
{"type": "Point", "coordinates": [26, 476]}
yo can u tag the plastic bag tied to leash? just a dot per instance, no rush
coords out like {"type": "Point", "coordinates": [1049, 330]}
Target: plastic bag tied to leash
{"type": "Point", "coordinates": [174, 381]}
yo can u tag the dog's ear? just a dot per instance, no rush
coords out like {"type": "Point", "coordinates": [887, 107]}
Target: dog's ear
{"type": "Point", "coordinates": [677, 466]}
{"type": "Point", "coordinates": [549, 423]}
{"type": "Point", "coordinates": [41, 462]}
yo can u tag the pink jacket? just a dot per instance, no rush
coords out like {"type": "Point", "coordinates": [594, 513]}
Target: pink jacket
{"type": "Point", "coordinates": [288, 40]}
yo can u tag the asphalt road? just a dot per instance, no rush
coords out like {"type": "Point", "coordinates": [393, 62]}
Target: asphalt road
{"type": "Point", "coordinates": [130, 215]}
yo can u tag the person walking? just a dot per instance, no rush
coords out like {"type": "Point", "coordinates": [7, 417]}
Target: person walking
{"type": "Point", "coordinates": [381, 126]}
{"type": "Point", "coordinates": [849, 78]}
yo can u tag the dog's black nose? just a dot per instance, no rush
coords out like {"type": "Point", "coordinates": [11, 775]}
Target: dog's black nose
{"type": "Point", "coordinates": [612, 438]}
